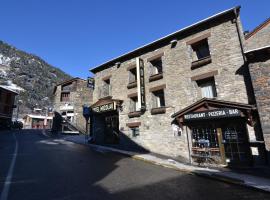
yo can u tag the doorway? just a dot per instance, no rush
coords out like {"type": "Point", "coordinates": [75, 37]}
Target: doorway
{"type": "Point", "coordinates": [236, 145]}
{"type": "Point", "coordinates": [111, 129]}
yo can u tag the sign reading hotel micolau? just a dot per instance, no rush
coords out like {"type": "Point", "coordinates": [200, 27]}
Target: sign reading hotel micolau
{"type": "Point", "coordinates": [104, 108]}
{"type": "Point", "coordinates": [140, 83]}
{"type": "Point", "coordinates": [212, 114]}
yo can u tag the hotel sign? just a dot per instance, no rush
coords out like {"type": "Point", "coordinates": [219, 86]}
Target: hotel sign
{"type": "Point", "coordinates": [104, 108]}
{"type": "Point", "coordinates": [140, 83]}
{"type": "Point", "coordinates": [212, 114]}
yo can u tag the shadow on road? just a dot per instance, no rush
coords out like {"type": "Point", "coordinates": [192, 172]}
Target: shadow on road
{"type": "Point", "coordinates": [52, 168]}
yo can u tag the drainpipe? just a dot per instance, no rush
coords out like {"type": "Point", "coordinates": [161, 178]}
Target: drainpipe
{"type": "Point", "coordinates": [239, 36]}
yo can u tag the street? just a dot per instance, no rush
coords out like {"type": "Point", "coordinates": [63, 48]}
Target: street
{"type": "Point", "coordinates": [52, 168]}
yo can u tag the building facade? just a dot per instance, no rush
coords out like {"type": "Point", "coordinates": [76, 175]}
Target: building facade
{"type": "Point", "coordinates": [7, 99]}
{"type": "Point", "coordinates": [258, 57]}
{"type": "Point", "coordinates": [69, 98]}
{"type": "Point", "coordinates": [184, 95]}
{"type": "Point", "coordinates": [35, 121]}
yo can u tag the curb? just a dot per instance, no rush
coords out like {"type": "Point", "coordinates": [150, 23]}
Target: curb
{"type": "Point", "coordinates": [210, 175]}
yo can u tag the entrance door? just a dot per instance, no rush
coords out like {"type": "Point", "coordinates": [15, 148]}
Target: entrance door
{"type": "Point", "coordinates": [112, 129]}
{"type": "Point", "coordinates": [235, 140]}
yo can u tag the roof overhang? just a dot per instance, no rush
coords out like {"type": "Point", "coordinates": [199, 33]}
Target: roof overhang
{"type": "Point", "coordinates": [9, 90]}
{"type": "Point", "coordinates": [258, 54]}
{"type": "Point", "coordinates": [106, 104]}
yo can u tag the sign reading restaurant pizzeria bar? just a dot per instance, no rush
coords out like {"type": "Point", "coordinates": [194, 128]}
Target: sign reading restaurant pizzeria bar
{"type": "Point", "coordinates": [140, 83]}
{"type": "Point", "coordinates": [213, 114]}
{"type": "Point", "coordinates": [104, 108]}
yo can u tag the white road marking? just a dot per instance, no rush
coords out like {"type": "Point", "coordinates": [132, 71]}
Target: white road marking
{"type": "Point", "coordinates": [4, 194]}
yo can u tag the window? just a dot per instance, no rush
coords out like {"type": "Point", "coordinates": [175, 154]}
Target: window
{"type": "Point", "coordinates": [134, 106]}
{"type": "Point", "coordinates": [208, 88]}
{"type": "Point", "coordinates": [106, 90]}
{"type": "Point", "coordinates": [158, 99]}
{"type": "Point", "coordinates": [65, 96]}
{"type": "Point", "coordinates": [135, 131]}
{"type": "Point", "coordinates": [132, 75]}
{"type": "Point", "coordinates": [67, 87]}
{"type": "Point", "coordinates": [200, 50]}
{"type": "Point", "coordinates": [156, 66]}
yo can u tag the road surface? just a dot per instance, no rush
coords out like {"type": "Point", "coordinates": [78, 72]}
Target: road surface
{"type": "Point", "coordinates": [51, 168]}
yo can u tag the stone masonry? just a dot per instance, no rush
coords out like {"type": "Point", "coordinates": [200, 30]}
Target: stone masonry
{"type": "Point", "coordinates": [258, 56]}
{"type": "Point", "coordinates": [259, 37]}
{"type": "Point", "coordinates": [156, 132]}
{"type": "Point", "coordinates": [80, 95]}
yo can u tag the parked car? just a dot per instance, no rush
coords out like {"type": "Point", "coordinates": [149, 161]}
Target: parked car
{"type": "Point", "coordinates": [17, 125]}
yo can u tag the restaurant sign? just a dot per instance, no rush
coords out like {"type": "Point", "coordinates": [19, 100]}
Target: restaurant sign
{"type": "Point", "coordinates": [104, 108]}
{"type": "Point", "coordinates": [213, 114]}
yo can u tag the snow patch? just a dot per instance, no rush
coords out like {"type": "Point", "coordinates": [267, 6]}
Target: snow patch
{"type": "Point", "coordinates": [12, 86]}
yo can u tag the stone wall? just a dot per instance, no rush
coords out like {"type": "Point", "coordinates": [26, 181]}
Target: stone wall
{"type": "Point", "coordinates": [260, 75]}
{"type": "Point", "coordinates": [259, 39]}
{"type": "Point", "coordinates": [156, 132]}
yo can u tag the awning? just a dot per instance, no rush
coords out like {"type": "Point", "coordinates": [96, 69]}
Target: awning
{"type": "Point", "coordinates": [213, 109]}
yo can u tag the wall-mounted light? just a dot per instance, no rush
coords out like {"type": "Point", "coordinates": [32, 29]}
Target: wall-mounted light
{"type": "Point", "coordinates": [118, 64]}
{"type": "Point", "coordinates": [173, 43]}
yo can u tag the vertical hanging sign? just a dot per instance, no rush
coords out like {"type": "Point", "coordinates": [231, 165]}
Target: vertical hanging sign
{"type": "Point", "coordinates": [140, 83]}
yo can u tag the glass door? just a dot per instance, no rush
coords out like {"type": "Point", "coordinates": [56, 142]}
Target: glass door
{"type": "Point", "coordinates": [235, 140]}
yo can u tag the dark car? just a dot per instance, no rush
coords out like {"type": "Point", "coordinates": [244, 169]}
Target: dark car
{"type": "Point", "coordinates": [17, 125]}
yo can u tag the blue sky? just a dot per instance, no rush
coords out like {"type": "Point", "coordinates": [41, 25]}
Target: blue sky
{"type": "Point", "coordinates": [76, 35]}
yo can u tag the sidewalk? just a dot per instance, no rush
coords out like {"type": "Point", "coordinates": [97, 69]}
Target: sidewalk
{"type": "Point", "coordinates": [247, 180]}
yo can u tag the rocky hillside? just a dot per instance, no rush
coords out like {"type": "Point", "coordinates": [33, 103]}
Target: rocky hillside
{"type": "Point", "coordinates": [30, 75]}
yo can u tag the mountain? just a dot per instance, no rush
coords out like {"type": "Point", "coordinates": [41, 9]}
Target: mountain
{"type": "Point", "coordinates": [31, 76]}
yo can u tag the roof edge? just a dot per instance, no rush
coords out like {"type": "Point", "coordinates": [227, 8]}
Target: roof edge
{"type": "Point", "coordinates": [257, 49]}
{"type": "Point", "coordinates": [257, 28]}
{"type": "Point", "coordinates": [236, 8]}
{"type": "Point", "coordinates": [7, 89]}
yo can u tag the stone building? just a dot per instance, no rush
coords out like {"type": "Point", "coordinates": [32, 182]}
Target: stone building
{"type": "Point", "coordinates": [259, 37]}
{"type": "Point", "coordinates": [258, 57]}
{"type": "Point", "coordinates": [185, 95]}
{"type": "Point", "coordinates": [7, 99]}
{"type": "Point", "coordinates": [69, 98]}
{"type": "Point", "coordinates": [35, 121]}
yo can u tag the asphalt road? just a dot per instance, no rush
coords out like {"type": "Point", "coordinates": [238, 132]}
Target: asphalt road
{"type": "Point", "coordinates": [47, 168]}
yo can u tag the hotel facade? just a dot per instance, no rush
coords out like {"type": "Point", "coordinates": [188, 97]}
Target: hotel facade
{"type": "Point", "coordinates": [187, 95]}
